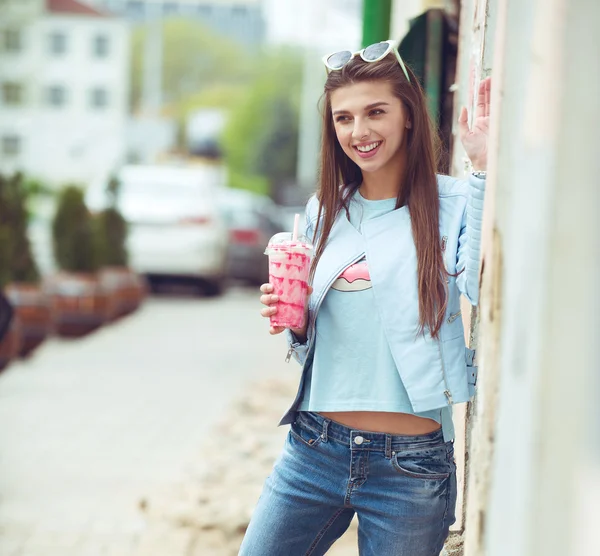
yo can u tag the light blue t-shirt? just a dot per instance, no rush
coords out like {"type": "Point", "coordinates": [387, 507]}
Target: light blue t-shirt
{"type": "Point", "coordinates": [358, 373]}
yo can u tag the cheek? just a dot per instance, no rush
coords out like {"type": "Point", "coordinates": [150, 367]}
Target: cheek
{"type": "Point", "coordinates": [341, 132]}
{"type": "Point", "coordinates": [393, 134]}
{"type": "Point", "coordinates": [344, 136]}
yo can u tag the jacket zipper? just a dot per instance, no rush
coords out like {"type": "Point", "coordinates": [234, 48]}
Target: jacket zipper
{"type": "Point", "coordinates": [453, 317]}
{"type": "Point", "coordinates": [447, 392]}
{"type": "Point", "coordinates": [335, 276]}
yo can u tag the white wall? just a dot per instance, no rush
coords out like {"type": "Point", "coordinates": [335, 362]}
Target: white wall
{"type": "Point", "coordinates": [540, 302]}
{"type": "Point", "coordinates": [74, 142]}
{"type": "Point", "coordinates": [19, 67]}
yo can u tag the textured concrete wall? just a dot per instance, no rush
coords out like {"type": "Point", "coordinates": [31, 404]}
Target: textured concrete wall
{"type": "Point", "coordinates": [534, 455]}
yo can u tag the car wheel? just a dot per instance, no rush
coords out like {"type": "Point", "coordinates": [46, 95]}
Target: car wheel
{"type": "Point", "coordinates": [212, 288]}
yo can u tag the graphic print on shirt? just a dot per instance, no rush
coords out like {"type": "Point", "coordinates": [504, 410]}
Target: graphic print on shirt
{"type": "Point", "coordinates": [355, 278]}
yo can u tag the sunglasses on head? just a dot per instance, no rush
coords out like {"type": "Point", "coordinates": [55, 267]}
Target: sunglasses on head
{"type": "Point", "coordinates": [371, 53]}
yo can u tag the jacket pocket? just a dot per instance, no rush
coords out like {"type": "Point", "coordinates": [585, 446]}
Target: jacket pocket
{"type": "Point", "coordinates": [453, 326]}
{"type": "Point", "coordinates": [429, 463]}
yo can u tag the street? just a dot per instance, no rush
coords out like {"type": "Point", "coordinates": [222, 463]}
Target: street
{"type": "Point", "coordinates": [91, 427]}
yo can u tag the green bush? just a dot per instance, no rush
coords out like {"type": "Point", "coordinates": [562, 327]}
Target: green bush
{"type": "Point", "coordinates": [111, 230]}
{"type": "Point", "coordinates": [16, 259]}
{"type": "Point", "coordinates": [73, 232]}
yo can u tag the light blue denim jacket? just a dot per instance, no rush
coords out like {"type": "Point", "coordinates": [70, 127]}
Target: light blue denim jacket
{"type": "Point", "coordinates": [435, 373]}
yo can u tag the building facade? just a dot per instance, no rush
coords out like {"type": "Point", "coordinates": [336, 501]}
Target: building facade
{"type": "Point", "coordinates": [240, 20]}
{"type": "Point", "coordinates": [64, 85]}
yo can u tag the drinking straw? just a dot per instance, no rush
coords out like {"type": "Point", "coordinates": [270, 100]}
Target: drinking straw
{"type": "Point", "coordinates": [295, 233]}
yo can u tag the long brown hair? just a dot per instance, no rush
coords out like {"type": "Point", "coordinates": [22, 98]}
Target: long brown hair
{"type": "Point", "coordinates": [340, 177]}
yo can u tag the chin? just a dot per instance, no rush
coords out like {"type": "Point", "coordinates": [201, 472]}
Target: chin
{"type": "Point", "coordinates": [368, 166]}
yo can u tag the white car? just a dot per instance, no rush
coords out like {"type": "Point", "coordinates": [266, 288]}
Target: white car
{"type": "Point", "coordinates": [174, 227]}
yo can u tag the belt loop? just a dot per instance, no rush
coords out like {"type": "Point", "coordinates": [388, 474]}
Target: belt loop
{"type": "Point", "coordinates": [325, 426]}
{"type": "Point", "coordinates": [388, 446]}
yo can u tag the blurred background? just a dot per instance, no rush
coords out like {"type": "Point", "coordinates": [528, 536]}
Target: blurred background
{"type": "Point", "coordinates": [148, 151]}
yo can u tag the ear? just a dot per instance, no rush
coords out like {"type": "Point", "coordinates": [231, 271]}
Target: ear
{"type": "Point", "coordinates": [408, 124]}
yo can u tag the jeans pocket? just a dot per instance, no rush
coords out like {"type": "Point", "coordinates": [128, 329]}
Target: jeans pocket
{"type": "Point", "coordinates": [429, 463]}
{"type": "Point", "coordinates": [305, 435]}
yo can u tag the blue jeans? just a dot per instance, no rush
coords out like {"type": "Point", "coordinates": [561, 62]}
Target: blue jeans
{"type": "Point", "coordinates": [403, 489]}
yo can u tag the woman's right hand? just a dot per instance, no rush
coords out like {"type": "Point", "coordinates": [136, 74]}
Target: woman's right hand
{"type": "Point", "coordinates": [270, 300]}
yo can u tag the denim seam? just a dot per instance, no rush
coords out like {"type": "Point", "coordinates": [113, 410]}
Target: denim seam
{"type": "Point", "coordinates": [304, 424]}
{"type": "Point", "coordinates": [300, 439]}
{"type": "Point", "coordinates": [445, 510]}
{"type": "Point", "coordinates": [419, 476]}
{"type": "Point", "coordinates": [322, 532]}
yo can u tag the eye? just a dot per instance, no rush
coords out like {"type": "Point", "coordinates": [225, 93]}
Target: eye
{"type": "Point", "coordinates": [376, 112]}
{"type": "Point", "coordinates": [342, 118]}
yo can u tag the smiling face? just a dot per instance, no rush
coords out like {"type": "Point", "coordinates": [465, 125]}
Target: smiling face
{"type": "Point", "coordinates": [371, 126]}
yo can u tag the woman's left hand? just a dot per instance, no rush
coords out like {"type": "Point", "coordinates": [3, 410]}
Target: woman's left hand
{"type": "Point", "coordinates": [475, 140]}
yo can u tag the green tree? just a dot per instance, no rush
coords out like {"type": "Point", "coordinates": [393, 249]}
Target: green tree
{"type": "Point", "coordinates": [261, 137]}
{"type": "Point", "coordinates": [194, 58]}
{"type": "Point", "coordinates": [74, 238]}
{"type": "Point", "coordinates": [16, 258]}
{"type": "Point", "coordinates": [111, 230]}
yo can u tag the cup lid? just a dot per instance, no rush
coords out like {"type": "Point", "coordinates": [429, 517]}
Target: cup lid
{"type": "Point", "coordinates": [284, 240]}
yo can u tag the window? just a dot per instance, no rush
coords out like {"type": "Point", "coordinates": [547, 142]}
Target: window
{"type": "Point", "coordinates": [11, 40]}
{"type": "Point", "coordinates": [99, 98]}
{"type": "Point", "coordinates": [11, 145]}
{"type": "Point", "coordinates": [100, 46]}
{"type": "Point", "coordinates": [57, 43]}
{"type": "Point", "coordinates": [239, 11]}
{"type": "Point", "coordinates": [56, 96]}
{"type": "Point", "coordinates": [12, 93]}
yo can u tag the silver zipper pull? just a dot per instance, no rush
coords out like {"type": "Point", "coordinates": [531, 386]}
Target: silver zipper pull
{"type": "Point", "coordinates": [453, 317]}
{"type": "Point", "coordinates": [448, 395]}
{"type": "Point", "coordinates": [444, 242]}
{"type": "Point", "coordinates": [289, 355]}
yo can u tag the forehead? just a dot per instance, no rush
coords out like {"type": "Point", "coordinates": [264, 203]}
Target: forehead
{"type": "Point", "coordinates": [356, 96]}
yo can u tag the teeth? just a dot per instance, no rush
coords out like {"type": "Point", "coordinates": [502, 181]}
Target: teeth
{"type": "Point", "coordinates": [368, 148]}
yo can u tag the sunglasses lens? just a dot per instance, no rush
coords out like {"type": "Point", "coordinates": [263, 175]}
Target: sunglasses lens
{"type": "Point", "coordinates": [375, 51]}
{"type": "Point", "coordinates": [339, 59]}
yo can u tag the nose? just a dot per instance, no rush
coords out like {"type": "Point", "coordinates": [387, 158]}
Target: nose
{"type": "Point", "coordinates": [361, 130]}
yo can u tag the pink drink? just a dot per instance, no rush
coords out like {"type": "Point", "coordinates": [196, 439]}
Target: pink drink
{"type": "Point", "coordinates": [289, 267]}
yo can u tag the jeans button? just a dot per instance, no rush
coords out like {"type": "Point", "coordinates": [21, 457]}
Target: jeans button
{"type": "Point", "coordinates": [359, 440]}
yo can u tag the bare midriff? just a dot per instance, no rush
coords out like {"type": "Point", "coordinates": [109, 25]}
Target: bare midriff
{"type": "Point", "coordinates": [379, 421]}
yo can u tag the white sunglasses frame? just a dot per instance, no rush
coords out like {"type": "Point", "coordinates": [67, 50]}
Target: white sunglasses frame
{"type": "Point", "coordinates": [392, 46]}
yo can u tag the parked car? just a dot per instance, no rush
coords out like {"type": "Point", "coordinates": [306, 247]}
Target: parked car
{"type": "Point", "coordinates": [251, 220]}
{"type": "Point", "coordinates": [175, 229]}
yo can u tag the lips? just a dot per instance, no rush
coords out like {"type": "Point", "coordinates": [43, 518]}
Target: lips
{"type": "Point", "coordinates": [371, 153]}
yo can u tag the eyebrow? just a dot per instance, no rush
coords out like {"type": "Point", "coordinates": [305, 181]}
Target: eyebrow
{"type": "Point", "coordinates": [366, 109]}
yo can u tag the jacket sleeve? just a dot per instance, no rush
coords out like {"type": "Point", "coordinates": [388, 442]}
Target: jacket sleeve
{"type": "Point", "coordinates": [469, 242]}
{"type": "Point", "coordinates": [295, 348]}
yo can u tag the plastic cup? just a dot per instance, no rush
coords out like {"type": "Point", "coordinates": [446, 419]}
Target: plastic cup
{"type": "Point", "coordinates": [289, 268]}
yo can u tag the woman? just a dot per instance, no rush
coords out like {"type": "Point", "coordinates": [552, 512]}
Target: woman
{"type": "Point", "coordinates": [383, 352]}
